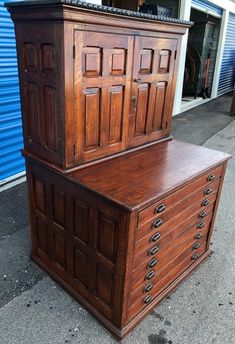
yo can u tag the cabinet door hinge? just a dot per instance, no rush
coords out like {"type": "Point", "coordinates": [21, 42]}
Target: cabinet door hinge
{"type": "Point", "coordinates": [74, 51]}
{"type": "Point", "coordinates": [175, 54]}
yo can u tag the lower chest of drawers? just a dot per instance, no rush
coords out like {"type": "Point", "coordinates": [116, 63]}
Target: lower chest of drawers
{"type": "Point", "coordinates": [119, 262]}
{"type": "Point", "coordinates": [171, 235]}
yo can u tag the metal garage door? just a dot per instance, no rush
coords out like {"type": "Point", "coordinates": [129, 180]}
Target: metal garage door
{"type": "Point", "coordinates": [207, 6]}
{"type": "Point", "coordinates": [11, 162]}
{"type": "Point", "coordinates": [227, 73]}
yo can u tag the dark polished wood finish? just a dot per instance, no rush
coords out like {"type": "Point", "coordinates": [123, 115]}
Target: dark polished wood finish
{"type": "Point", "coordinates": [93, 83]}
{"type": "Point", "coordinates": [120, 213]}
{"type": "Point", "coordinates": [122, 232]}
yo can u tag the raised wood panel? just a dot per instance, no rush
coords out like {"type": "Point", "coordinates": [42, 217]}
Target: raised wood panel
{"type": "Point", "coordinates": [81, 218]}
{"type": "Point", "coordinates": [50, 117]}
{"type": "Point", "coordinates": [80, 266]}
{"type": "Point", "coordinates": [142, 108]}
{"type": "Point", "coordinates": [107, 237]}
{"type": "Point", "coordinates": [164, 61]}
{"type": "Point", "coordinates": [118, 64]}
{"type": "Point", "coordinates": [159, 105]}
{"type": "Point", "coordinates": [116, 113]}
{"type": "Point", "coordinates": [48, 58]}
{"type": "Point", "coordinates": [40, 195]}
{"type": "Point", "coordinates": [92, 58]}
{"type": "Point", "coordinates": [146, 61]}
{"type": "Point", "coordinates": [30, 57]}
{"type": "Point", "coordinates": [59, 249]}
{"type": "Point", "coordinates": [92, 117]}
{"type": "Point", "coordinates": [42, 234]}
{"type": "Point", "coordinates": [58, 206]}
{"type": "Point", "coordinates": [104, 284]}
{"type": "Point", "coordinates": [33, 113]}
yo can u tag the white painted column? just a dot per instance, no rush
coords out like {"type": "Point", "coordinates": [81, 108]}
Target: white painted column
{"type": "Point", "coordinates": [185, 10]}
{"type": "Point", "coordinates": [219, 55]}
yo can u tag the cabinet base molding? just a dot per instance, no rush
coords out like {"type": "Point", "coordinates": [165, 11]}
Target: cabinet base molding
{"type": "Point", "coordinates": [116, 332]}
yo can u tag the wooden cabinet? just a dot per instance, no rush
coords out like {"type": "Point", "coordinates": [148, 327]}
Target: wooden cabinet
{"type": "Point", "coordinates": [119, 212]}
{"type": "Point", "coordinates": [93, 83]}
{"type": "Point", "coordinates": [120, 238]}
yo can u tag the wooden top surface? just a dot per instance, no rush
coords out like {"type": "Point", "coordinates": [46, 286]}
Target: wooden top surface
{"type": "Point", "coordinates": [138, 178]}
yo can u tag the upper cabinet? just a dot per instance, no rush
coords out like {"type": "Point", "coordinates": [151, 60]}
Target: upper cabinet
{"type": "Point", "coordinates": [93, 82]}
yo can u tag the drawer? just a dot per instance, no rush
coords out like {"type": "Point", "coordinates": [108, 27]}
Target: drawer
{"type": "Point", "coordinates": [169, 242]}
{"type": "Point", "coordinates": [147, 298]}
{"type": "Point", "coordinates": [177, 225]}
{"type": "Point", "coordinates": [168, 253]}
{"type": "Point", "coordinates": [161, 207]}
{"type": "Point", "coordinates": [142, 288]}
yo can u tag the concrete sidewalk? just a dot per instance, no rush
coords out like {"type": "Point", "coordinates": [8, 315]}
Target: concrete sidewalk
{"type": "Point", "coordinates": [35, 310]}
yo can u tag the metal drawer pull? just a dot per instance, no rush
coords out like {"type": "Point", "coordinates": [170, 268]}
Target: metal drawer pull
{"type": "Point", "coordinates": [150, 275]}
{"type": "Point", "coordinates": [148, 299]}
{"type": "Point", "coordinates": [157, 223]}
{"type": "Point", "coordinates": [198, 235]}
{"type": "Point", "coordinates": [202, 214]}
{"type": "Point", "coordinates": [155, 237]}
{"type": "Point", "coordinates": [153, 250]}
{"type": "Point", "coordinates": [152, 263]}
{"type": "Point", "coordinates": [205, 202]}
{"type": "Point", "coordinates": [201, 224]}
{"type": "Point", "coordinates": [160, 208]}
{"type": "Point", "coordinates": [196, 246]}
{"type": "Point", "coordinates": [207, 191]}
{"type": "Point", "coordinates": [148, 287]}
{"type": "Point", "coordinates": [211, 177]}
{"type": "Point", "coordinates": [195, 256]}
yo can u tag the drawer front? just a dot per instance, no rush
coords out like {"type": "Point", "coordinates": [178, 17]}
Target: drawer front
{"type": "Point", "coordinates": [168, 253]}
{"type": "Point", "coordinates": [179, 267]}
{"type": "Point", "coordinates": [161, 271]}
{"type": "Point", "coordinates": [173, 227]}
{"type": "Point", "coordinates": [167, 245]}
{"type": "Point", "coordinates": [161, 207]}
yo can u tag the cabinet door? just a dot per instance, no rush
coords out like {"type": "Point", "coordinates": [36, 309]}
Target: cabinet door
{"type": "Point", "coordinates": [152, 86]}
{"type": "Point", "coordinates": [102, 79]}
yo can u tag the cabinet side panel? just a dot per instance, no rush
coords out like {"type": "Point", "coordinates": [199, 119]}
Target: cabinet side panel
{"type": "Point", "coordinates": [39, 53]}
{"type": "Point", "coordinates": [81, 237]}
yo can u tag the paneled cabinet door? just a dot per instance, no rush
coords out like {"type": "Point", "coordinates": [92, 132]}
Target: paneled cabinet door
{"type": "Point", "coordinates": [151, 93]}
{"type": "Point", "coordinates": [102, 78]}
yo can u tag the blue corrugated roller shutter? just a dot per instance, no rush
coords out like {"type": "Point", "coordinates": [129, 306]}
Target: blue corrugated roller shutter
{"type": "Point", "coordinates": [227, 73]}
{"type": "Point", "coordinates": [207, 5]}
{"type": "Point", "coordinates": [11, 161]}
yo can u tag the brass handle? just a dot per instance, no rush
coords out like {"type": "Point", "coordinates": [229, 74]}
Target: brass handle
{"type": "Point", "coordinates": [148, 287]}
{"type": "Point", "coordinates": [152, 263]}
{"type": "Point", "coordinates": [201, 224]}
{"type": "Point", "coordinates": [160, 208]}
{"type": "Point", "coordinates": [150, 275]}
{"type": "Point", "coordinates": [205, 202]}
{"type": "Point", "coordinates": [153, 250]}
{"type": "Point", "coordinates": [157, 223]}
{"type": "Point", "coordinates": [198, 235]}
{"type": "Point", "coordinates": [207, 191]}
{"type": "Point", "coordinates": [202, 214]}
{"type": "Point", "coordinates": [195, 256]}
{"type": "Point", "coordinates": [148, 299]}
{"type": "Point", "coordinates": [196, 246]}
{"type": "Point", "coordinates": [155, 237]}
{"type": "Point", "coordinates": [211, 177]}
{"type": "Point", "coordinates": [133, 103]}
{"type": "Point", "coordinates": [136, 79]}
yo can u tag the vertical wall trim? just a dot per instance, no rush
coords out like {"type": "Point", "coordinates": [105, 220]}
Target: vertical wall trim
{"type": "Point", "coordinates": [185, 10]}
{"type": "Point", "coordinates": [220, 50]}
